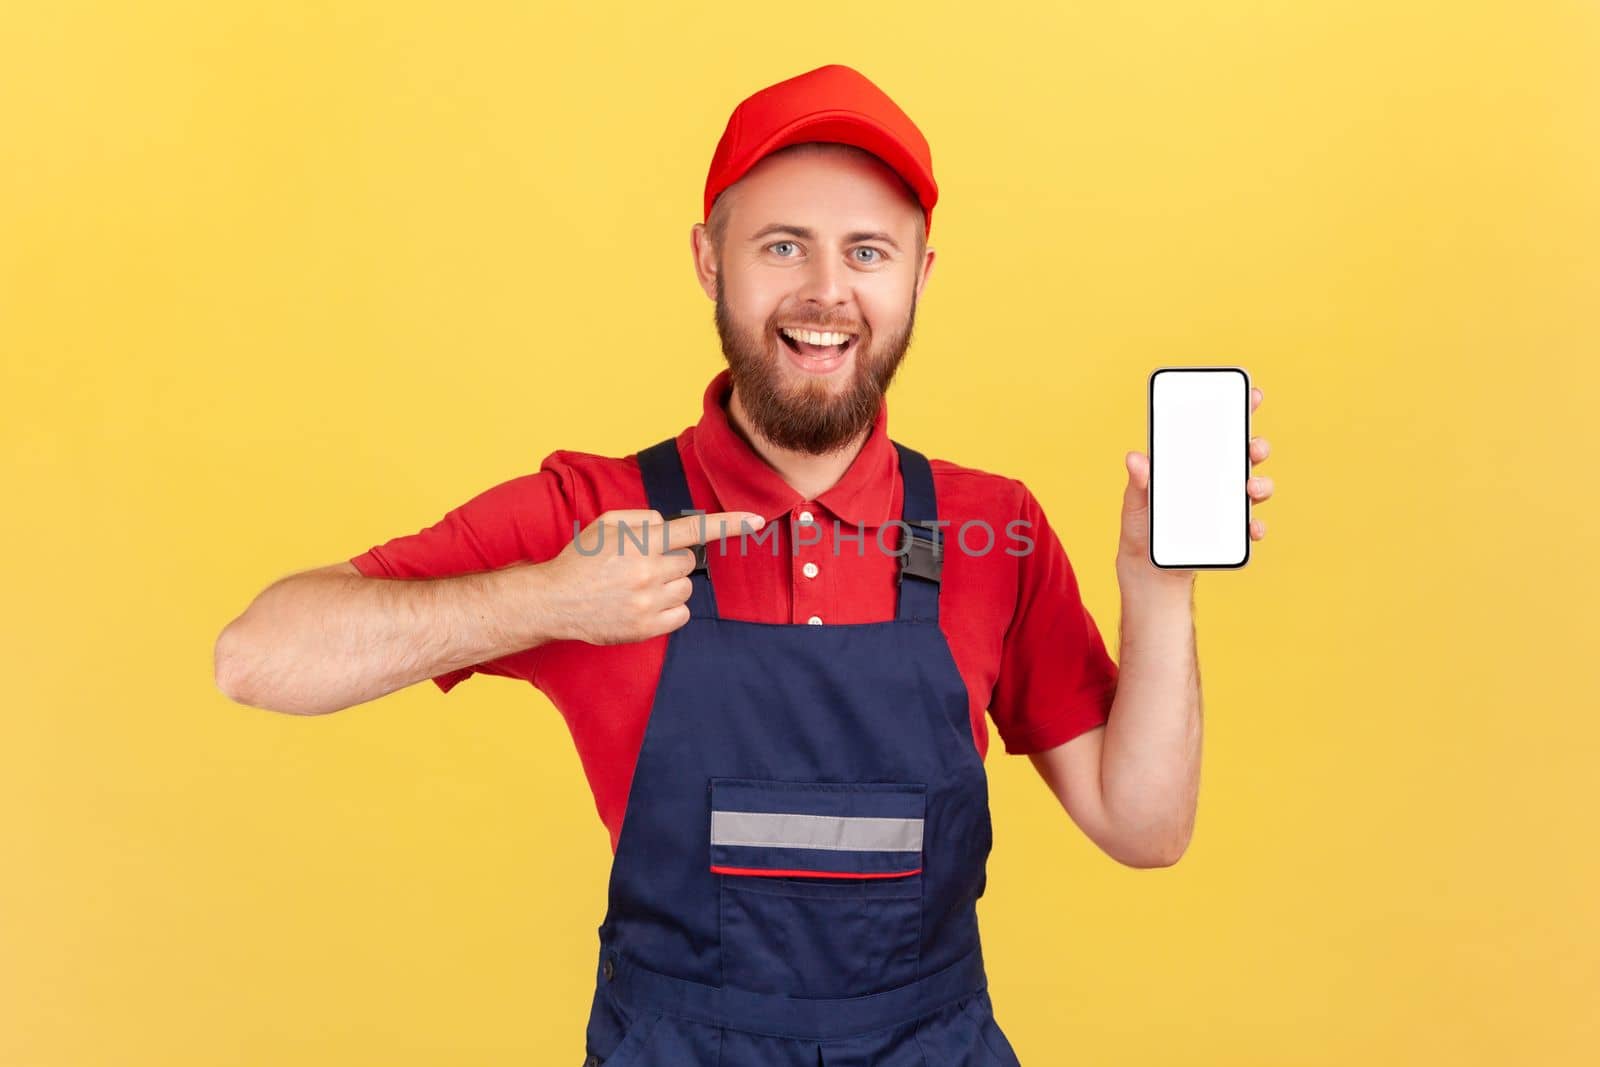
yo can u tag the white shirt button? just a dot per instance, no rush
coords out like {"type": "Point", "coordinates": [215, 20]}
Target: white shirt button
{"type": "Point", "coordinates": [809, 570]}
{"type": "Point", "coordinates": [807, 518]}
{"type": "Point", "coordinates": [815, 620]}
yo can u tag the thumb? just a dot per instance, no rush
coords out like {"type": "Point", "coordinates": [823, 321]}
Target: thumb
{"type": "Point", "coordinates": [1136, 506]}
{"type": "Point", "coordinates": [1135, 497]}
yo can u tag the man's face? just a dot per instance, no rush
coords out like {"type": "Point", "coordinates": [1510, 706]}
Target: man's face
{"type": "Point", "coordinates": [816, 242]}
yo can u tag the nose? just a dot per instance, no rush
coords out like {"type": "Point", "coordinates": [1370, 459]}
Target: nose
{"type": "Point", "coordinates": [824, 283]}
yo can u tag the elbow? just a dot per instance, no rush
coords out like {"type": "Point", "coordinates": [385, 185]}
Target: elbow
{"type": "Point", "coordinates": [225, 665]}
{"type": "Point", "coordinates": [232, 674]}
{"type": "Point", "coordinates": [1153, 851]}
{"type": "Point", "coordinates": [1153, 860]}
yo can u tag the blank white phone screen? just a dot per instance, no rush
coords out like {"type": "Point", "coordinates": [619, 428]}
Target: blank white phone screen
{"type": "Point", "coordinates": [1199, 464]}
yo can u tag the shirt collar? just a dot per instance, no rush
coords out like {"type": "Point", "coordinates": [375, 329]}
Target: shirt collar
{"type": "Point", "coordinates": [866, 496]}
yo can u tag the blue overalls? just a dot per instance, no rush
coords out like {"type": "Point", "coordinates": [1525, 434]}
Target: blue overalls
{"type": "Point", "coordinates": [796, 879]}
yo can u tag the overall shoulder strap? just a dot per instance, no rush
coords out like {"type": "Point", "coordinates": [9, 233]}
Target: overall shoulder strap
{"type": "Point", "coordinates": [667, 490]}
{"type": "Point", "coordinates": [922, 542]}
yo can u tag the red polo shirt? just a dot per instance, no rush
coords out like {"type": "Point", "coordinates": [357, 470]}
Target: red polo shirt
{"type": "Point", "coordinates": [1021, 637]}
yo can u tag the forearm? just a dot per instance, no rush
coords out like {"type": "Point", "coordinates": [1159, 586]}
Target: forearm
{"type": "Point", "coordinates": [317, 642]}
{"type": "Point", "coordinates": [1150, 761]}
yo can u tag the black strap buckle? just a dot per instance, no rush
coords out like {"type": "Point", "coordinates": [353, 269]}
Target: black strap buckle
{"type": "Point", "coordinates": [923, 555]}
{"type": "Point", "coordinates": [699, 550]}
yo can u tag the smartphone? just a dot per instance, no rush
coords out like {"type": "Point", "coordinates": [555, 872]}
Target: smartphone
{"type": "Point", "coordinates": [1199, 467]}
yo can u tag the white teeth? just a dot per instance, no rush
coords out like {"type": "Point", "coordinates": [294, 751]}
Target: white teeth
{"type": "Point", "coordinates": [811, 337]}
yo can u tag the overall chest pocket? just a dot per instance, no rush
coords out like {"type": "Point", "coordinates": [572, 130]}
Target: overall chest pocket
{"type": "Point", "coordinates": [820, 884]}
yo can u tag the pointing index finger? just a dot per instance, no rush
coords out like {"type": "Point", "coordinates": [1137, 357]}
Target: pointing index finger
{"type": "Point", "coordinates": [699, 529]}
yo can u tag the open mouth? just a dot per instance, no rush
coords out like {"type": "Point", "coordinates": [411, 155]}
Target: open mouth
{"type": "Point", "coordinates": [824, 346]}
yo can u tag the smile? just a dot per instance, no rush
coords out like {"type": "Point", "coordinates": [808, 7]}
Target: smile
{"type": "Point", "coordinates": [817, 351]}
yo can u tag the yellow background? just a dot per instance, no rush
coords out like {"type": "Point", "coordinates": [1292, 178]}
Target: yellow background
{"type": "Point", "coordinates": [279, 281]}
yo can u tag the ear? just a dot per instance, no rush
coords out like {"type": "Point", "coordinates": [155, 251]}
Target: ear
{"type": "Point", "coordinates": [926, 272]}
{"type": "Point", "coordinates": [705, 259]}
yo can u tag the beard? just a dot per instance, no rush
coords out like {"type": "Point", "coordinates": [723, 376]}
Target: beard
{"type": "Point", "coordinates": [808, 416]}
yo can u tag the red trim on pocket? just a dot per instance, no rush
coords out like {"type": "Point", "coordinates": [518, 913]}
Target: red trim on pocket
{"type": "Point", "coordinates": [811, 874]}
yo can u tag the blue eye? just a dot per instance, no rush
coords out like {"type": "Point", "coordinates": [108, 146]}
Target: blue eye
{"type": "Point", "coordinates": [779, 244]}
{"type": "Point", "coordinates": [874, 251]}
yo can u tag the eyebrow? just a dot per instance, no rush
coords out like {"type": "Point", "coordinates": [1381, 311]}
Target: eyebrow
{"type": "Point", "coordinates": [810, 235]}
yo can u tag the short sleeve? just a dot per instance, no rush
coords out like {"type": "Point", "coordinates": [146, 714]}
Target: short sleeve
{"type": "Point", "coordinates": [526, 519]}
{"type": "Point", "coordinates": [1056, 679]}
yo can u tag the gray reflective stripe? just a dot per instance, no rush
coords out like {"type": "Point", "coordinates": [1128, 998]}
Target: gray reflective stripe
{"type": "Point", "coordinates": [852, 833]}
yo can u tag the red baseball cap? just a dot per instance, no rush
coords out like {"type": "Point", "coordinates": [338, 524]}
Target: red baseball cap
{"type": "Point", "coordinates": [831, 103]}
